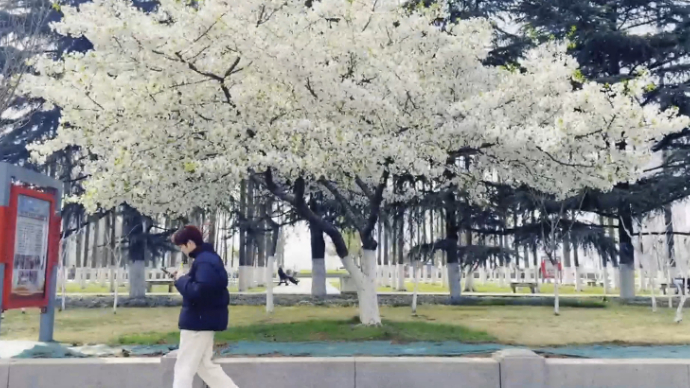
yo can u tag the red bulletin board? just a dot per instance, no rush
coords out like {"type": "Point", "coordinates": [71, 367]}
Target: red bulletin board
{"type": "Point", "coordinates": [548, 269]}
{"type": "Point", "coordinates": [31, 253]}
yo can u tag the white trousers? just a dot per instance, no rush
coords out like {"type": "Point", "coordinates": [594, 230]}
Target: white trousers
{"type": "Point", "coordinates": [194, 357]}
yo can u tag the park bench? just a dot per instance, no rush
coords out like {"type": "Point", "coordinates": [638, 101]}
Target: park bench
{"type": "Point", "coordinates": [676, 282]}
{"type": "Point", "coordinates": [594, 282]}
{"type": "Point", "coordinates": [663, 287]}
{"type": "Point", "coordinates": [155, 282]}
{"type": "Point", "coordinates": [532, 286]}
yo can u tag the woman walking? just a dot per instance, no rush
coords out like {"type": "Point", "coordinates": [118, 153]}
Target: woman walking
{"type": "Point", "coordinates": [205, 300]}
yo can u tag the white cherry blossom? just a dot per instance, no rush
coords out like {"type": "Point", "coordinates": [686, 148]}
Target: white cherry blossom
{"type": "Point", "coordinates": [175, 107]}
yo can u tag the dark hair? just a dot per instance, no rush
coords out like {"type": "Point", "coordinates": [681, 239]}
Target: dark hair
{"type": "Point", "coordinates": [187, 234]}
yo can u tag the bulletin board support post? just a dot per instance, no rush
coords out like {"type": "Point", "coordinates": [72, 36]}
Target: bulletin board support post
{"type": "Point", "coordinates": [47, 325]}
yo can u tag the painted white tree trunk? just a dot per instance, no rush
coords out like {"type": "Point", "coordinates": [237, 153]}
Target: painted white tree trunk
{"type": "Point", "coordinates": [415, 271]}
{"type": "Point", "coordinates": [137, 279]}
{"type": "Point", "coordinates": [257, 275]}
{"type": "Point", "coordinates": [627, 281]}
{"type": "Point", "coordinates": [501, 279]}
{"type": "Point", "coordinates": [469, 281]}
{"type": "Point", "coordinates": [400, 279]}
{"type": "Point", "coordinates": [269, 284]}
{"type": "Point", "coordinates": [318, 277]}
{"type": "Point", "coordinates": [578, 280]}
{"type": "Point", "coordinates": [394, 276]}
{"type": "Point", "coordinates": [365, 280]}
{"type": "Point", "coordinates": [681, 304]}
{"type": "Point", "coordinates": [62, 288]}
{"type": "Point", "coordinates": [244, 278]}
{"type": "Point", "coordinates": [116, 292]}
{"type": "Point", "coordinates": [652, 280]}
{"type": "Point", "coordinates": [82, 277]}
{"type": "Point", "coordinates": [115, 300]}
{"type": "Point", "coordinates": [111, 277]}
{"type": "Point", "coordinates": [669, 282]}
{"type": "Point", "coordinates": [607, 284]}
{"type": "Point", "coordinates": [454, 278]}
{"type": "Point", "coordinates": [556, 301]}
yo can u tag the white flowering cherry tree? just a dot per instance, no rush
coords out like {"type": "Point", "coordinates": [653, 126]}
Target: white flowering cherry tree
{"type": "Point", "coordinates": [175, 107]}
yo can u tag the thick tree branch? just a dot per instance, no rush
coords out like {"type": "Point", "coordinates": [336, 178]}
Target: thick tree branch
{"type": "Point", "coordinates": [375, 200]}
{"type": "Point", "coordinates": [298, 202]}
{"type": "Point", "coordinates": [357, 221]}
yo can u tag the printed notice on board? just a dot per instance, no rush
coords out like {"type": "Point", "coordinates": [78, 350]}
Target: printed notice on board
{"type": "Point", "coordinates": [30, 247]}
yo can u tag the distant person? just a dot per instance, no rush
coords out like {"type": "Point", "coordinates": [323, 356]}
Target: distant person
{"type": "Point", "coordinates": [205, 300]}
{"type": "Point", "coordinates": [284, 278]}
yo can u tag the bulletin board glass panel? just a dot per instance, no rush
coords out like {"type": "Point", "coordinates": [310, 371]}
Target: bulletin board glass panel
{"type": "Point", "coordinates": [30, 259]}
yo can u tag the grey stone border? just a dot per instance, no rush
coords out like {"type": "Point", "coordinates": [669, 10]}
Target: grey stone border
{"type": "Point", "coordinates": [506, 369]}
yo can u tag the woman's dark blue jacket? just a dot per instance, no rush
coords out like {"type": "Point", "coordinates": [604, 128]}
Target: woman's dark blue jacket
{"type": "Point", "coordinates": [204, 290]}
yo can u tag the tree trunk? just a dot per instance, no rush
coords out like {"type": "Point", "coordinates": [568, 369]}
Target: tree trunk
{"type": "Point", "coordinates": [526, 250]}
{"type": "Point", "coordinates": [556, 302]}
{"type": "Point", "coordinates": [87, 241]}
{"type": "Point", "coordinates": [243, 271]}
{"type": "Point", "coordinates": [670, 242]}
{"type": "Point", "coordinates": [469, 281]}
{"type": "Point", "coordinates": [652, 280]}
{"type": "Point", "coordinates": [683, 295]}
{"type": "Point", "coordinates": [454, 278]}
{"type": "Point", "coordinates": [380, 269]}
{"type": "Point", "coordinates": [269, 283]}
{"type": "Point", "coordinates": [137, 279]}
{"type": "Point", "coordinates": [274, 248]}
{"type": "Point", "coordinates": [225, 240]}
{"type": "Point", "coordinates": [86, 250]}
{"type": "Point", "coordinates": [318, 254]}
{"type": "Point", "coordinates": [95, 257]}
{"type": "Point", "coordinates": [415, 270]}
{"type": "Point", "coordinates": [386, 255]}
{"type": "Point", "coordinates": [578, 275]}
{"type": "Point", "coordinates": [318, 262]}
{"type": "Point", "coordinates": [567, 265]}
{"type": "Point", "coordinates": [79, 235]}
{"type": "Point", "coordinates": [366, 290]}
{"type": "Point", "coordinates": [112, 228]}
{"type": "Point", "coordinates": [626, 260]}
{"type": "Point", "coordinates": [453, 262]}
{"type": "Point", "coordinates": [400, 234]}
{"type": "Point", "coordinates": [261, 259]}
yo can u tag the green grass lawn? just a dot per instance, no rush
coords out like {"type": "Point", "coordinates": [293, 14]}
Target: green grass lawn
{"type": "Point", "coordinates": [329, 330]}
{"type": "Point", "coordinates": [523, 325]}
